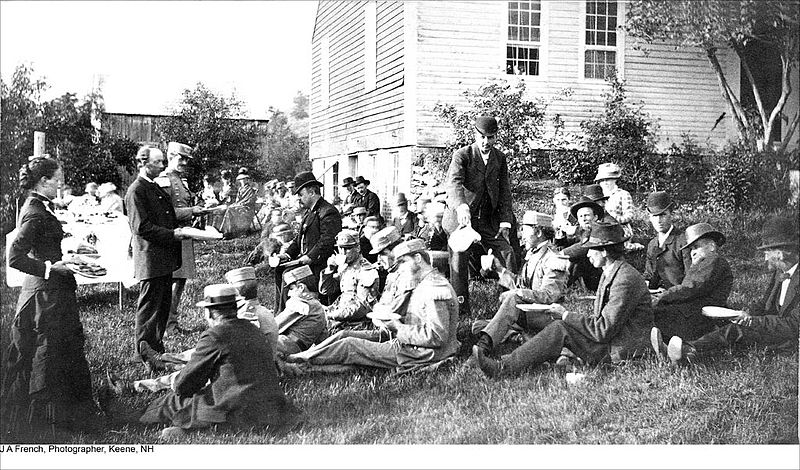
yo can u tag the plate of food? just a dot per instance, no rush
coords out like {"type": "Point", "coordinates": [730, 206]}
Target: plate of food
{"type": "Point", "coordinates": [85, 268]}
{"type": "Point", "coordinates": [533, 307]}
{"type": "Point", "coordinates": [197, 234]}
{"type": "Point", "coordinates": [720, 312]}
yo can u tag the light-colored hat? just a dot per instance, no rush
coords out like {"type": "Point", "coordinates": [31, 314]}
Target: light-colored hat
{"type": "Point", "coordinates": [434, 209]}
{"type": "Point", "coordinates": [106, 188]}
{"type": "Point", "coordinates": [703, 230]}
{"type": "Point", "coordinates": [537, 218]}
{"type": "Point", "coordinates": [383, 239]}
{"type": "Point", "coordinates": [246, 273]}
{"type": "Point", "coordinates": [359, 210]}
{"type": "Point", "coordinates": [415, 245]}
{"type": "Point", "coordinates": [177, 148]}
{"type": "Point", "coordinates": [297, 274]}
{"type": "Point", "coordinates": [215, 295]}
{"type": "Point", "coordinates": [607, 171]}
{"type": "Point", "coordinates": [347, 238]}
{"type": "Point", "coordinates": [280, 229]}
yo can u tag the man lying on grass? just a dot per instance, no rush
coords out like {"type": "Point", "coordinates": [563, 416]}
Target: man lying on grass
{"type": "Point", "coordinates": [426, 335]}
{"type": "Point", "coordinates": [772, 321]}
{"type": "Point", "coordinates": [243, 391]}
{"type": "Point", "coordinates": [618, 328]}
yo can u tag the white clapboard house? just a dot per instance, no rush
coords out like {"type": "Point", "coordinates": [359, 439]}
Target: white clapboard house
{"type": "Point", "coordinates": [379, 67]}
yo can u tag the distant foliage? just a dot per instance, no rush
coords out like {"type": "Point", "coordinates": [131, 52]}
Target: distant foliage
{"type": "Point", "coordinates": [522, 124]}
{"type": "Point", "coordinates": [683, 169]}
{"type": "Point", "coordinates": [287, 151]}
{"type": "Point", "coordinates": [623, 134]}
{"type": "Point", "coordinates": [86, 153]}
{"type": "Point", "coordinates": [217, 129]}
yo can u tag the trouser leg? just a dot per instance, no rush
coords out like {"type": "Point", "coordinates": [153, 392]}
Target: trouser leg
{"type": "Point", "coordinates": [502, 249]}
{"type": "Point", "coordinates": [543, 347]}
{"type": "Point", "coordinates": [178, 284]}
{"type": "Point", "coordinates": [152, 312]}
{"type": "Point", "coordinates": [501, 322]}
{"type": "Point", "coordinates": [459, 278]}
{"type": "Point", "coordinates": [356, 351]}
{"type": "Point", "coordinates": [733, 335]}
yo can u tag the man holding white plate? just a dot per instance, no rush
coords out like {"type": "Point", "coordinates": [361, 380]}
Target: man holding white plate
{"type": "Point", "coordinates": [772, 321]}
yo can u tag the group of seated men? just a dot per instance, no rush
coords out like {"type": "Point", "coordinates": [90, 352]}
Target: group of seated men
{"type": "Point", "coordinates": [325, 299]}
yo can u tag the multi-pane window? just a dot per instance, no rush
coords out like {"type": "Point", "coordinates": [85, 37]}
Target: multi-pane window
{"type": "Point", "coordinates": [395, 172]}
{"type": "Point", "coordinates": [600, 53]}
{"type": "Point", "coordinates": [524, 38]}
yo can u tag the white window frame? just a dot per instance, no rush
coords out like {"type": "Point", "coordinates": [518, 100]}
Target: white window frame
{"type": "Point", "coordinates": [619, 48]}
{"type": "Point", "coordinates": [544, 13]}
{"type": "Point", "coordinates": [370, 45]}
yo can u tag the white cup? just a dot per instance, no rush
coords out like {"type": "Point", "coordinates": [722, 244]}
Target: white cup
{"type": "Point", "coordinates": [274, 261]}
{"type": "Point", "coordinates": [487, 261]}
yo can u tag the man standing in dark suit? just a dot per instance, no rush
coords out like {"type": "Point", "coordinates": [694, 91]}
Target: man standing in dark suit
{"type": "Point", "coordinates": [666, 263]}
{"type": "Point", "coordinates": [365, 198]}
{"type": "Point", "coordinates": [478, 191]}
{"type": "Point", "coordinates": [315, 241]}
{"type": "Point", "coordinates": [156, 254]}
{"type": "Point", "coordinates": [772, 321]}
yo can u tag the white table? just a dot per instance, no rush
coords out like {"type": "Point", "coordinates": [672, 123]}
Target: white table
{"type": "Point", "coordinates": [113, 240]}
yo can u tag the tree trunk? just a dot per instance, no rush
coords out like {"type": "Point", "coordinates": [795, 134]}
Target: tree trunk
{"type": "Point", "coordinates": [735, 108]}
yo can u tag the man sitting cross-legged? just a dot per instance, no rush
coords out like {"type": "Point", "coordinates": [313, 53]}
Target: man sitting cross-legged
{"type": "Point", "coordinates": [617, 329]}
{"type": "Point", "coordinates": [230, 379]}
{"type": "Point", "coordinates": [542, 279]}
{"type": "Point", "coordinates": [772, 321]}
{"type": "Point", "coordinates": [708, 281]}
{"type": "Point", "coordinates": [426, 335]}
{"type": "Point", "coordinates": [353, 278]}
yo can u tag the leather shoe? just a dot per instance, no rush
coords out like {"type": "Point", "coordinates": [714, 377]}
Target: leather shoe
{"type": "Point", "coordinates": [489, 366]}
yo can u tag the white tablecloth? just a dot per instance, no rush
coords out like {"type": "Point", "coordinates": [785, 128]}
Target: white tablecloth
{"type": "Point", "coordinates": [113, 239]}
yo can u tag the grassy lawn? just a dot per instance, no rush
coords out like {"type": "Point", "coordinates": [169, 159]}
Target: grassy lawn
{"type": "Point", "coordinates": [744, 397]}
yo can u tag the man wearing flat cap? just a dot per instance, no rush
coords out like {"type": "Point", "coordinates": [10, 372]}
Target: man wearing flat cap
{"type": "Point", "coordinates": [708, 281]}
{"type": "Point", "coordinates": [666, 263]}
{"type": "Point", "coordinates": [315, 240]}
{"type": "Point", "coordinates": [351, 279]}
{"type": "Point", "coordinates": [772, 320]}
{"type": "Point", "coordinates": [173, 181]}
{"type": "Point", "coordinates": [365, 198]}
{"type": "Point", "coordinates": [425, 336]}
{"type": "Point", "coordinates": [542, 279]}
{"type": "Point", "coordinates": [230, 379]}
{"type": "Point", "coordinates": [479, 192]}
{"type": "Point", "coordinates": [617, 329]}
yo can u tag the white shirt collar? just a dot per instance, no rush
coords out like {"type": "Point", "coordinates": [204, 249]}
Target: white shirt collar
{"type": "Point", "coordinates": [791, 271]}
{"type": "Point", "coordinates": [146, 178]}
{"type": "Point", "coordinates": [662, 237]}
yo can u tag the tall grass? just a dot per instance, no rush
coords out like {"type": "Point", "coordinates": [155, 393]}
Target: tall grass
{"type": "Point", "coordinates": [740, 397]}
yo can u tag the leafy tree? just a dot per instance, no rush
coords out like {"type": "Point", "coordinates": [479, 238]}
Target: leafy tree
{"type": "Point", "coordinates": [217, 128]}
{"type": "Point", "coordinates": [287, 152]}
{"type": "Point", "coordinates": [714, 24]}
{"type": "Point", "coordinates": [86, 154]}
{"type": "Point", "coordinates": [522, 123]}
{"type": "Point", "coordinates": [300, 110]}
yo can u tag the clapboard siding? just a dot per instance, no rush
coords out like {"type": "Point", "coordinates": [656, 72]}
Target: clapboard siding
{"type": "Point", "coordinates": [356, 116]}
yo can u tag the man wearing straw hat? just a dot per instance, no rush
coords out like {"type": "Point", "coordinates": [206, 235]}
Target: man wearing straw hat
{"type": "Point", "coordinates": [425, 336]}
{"type": "Point", "coordinates": [173, 181]}
{"type": "Point", "coordinates": [542, 280]}
{"type": "Point", "coordinates": [771, 321]}
{"type": "Point", "coordinates": [666, 263]}
{"type": "Point", "coordinates": [479, 192]}
{"type": "Point", "coordinates": [230, 380]}
{"type": "Point", "coordinates": [617, 329]}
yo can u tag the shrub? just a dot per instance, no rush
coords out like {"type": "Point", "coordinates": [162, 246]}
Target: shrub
{"type": "Point", "coordinates": [682, 170]}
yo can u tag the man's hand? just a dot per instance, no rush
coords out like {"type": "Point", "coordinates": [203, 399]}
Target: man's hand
{"type": "Point", "coordinates": [304, 259]}
{"type": "Point", "coordinates": [503, 233]}
{"type": "Point", "coordinates": [198, 210]}
{"type": "Point", "coordinates": [463, 215]}
{"type": "Point", "coordinates": [391, 325]}
{"type": "Point", "coordinates": [557, 311]}
{"type": "Point", "coordinates": [744, 319]}
{"type": "Point", "coordinates": [178, 234]}
{"type": "Point", "coordinates": [60, 267]}
{"type": "Point", "coordinates": [331, 261]}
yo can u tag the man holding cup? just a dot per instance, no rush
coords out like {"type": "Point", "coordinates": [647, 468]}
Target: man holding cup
{"type": "Point", "coordinates": [350, 276]}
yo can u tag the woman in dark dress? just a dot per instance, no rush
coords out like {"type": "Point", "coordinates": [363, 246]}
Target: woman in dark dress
{"type": "Point", "coordinates": [47, 378]}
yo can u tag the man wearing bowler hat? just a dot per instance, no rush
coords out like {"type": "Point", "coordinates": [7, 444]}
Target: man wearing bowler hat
{"type": "Point", "coordinates": [426, 335]}
{"type": "Point", "coordinates": [708, 281]}
{"type": "Point", "coordinates": [314, 242]}
{"type": "Point", "coordinates": [478, 191]}
{"type": "Point", "coordinates": [666, 263]}
{"type": "Point", "coordinates": [405, 221]}
{"type": "Point", "coordinates": [173, 181]}
{"type": "Point", "coordinates": [366, 198]}
{"type": "Point", "coordinates": [771, 321]}
{"type": "Point", "coordinates": [617, 329]}
{"type": "Point", "coordinates": [542, 279]}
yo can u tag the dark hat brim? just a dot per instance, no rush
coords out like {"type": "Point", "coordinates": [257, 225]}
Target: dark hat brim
{"type": "Point", "coordinates": [780, 244]}
{"type": "Point", "coordinates": [298, 188]}
{"type": "Point", "coordinates": [659, 210]}
{"type": "Point", "coordinates": [603, 244]}
{"type": "Point", "coordinates": [598, 210]}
